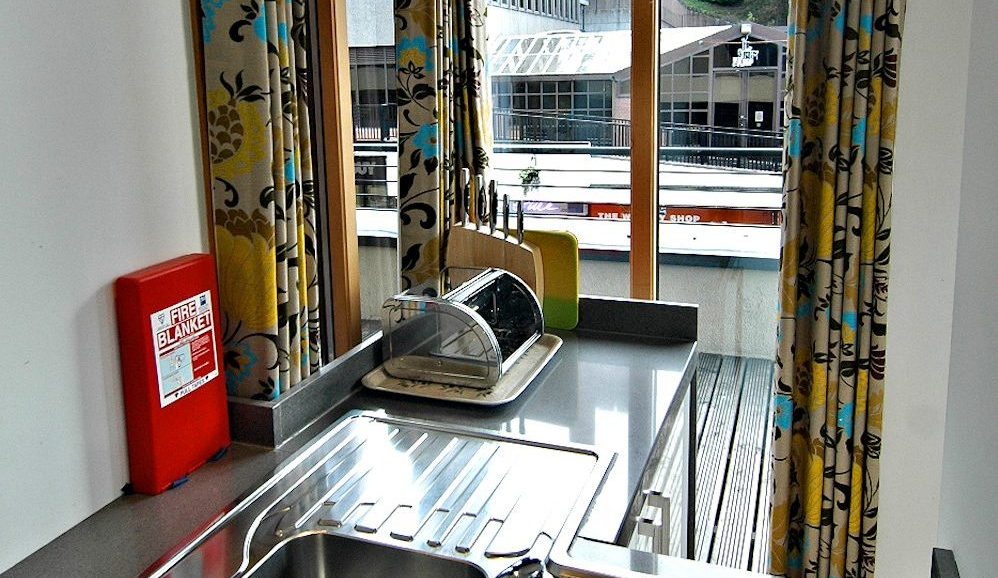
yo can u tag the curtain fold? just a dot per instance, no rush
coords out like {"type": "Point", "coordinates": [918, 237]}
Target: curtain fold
{"type": "Point", "coordinates": [256, 84]}
{"type": "Point", "coordinates": [838, 163]}
{"type": "Point", "coordinates": [444, 126]}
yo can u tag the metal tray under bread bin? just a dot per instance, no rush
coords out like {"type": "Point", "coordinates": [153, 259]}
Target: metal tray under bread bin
{"type": "Point", "coordinates": [470, 337]}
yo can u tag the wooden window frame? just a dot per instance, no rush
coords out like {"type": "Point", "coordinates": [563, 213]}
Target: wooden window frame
{"type": "Point", "coordinates": [334, 162]}
{"type": "Point", "coordinates": [644, 148]}
{"type": "Point", "coordinates": [334, 112]}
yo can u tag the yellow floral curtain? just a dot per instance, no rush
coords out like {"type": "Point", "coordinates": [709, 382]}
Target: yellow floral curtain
{"type": "Point", "coordinates": [444, 126]}
{"type": "Point", "coordinates": [256, 64]}
{"type": "Point", "coordinates": [841, 103]}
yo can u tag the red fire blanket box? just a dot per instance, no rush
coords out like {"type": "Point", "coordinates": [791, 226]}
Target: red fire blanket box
{"type": "Point", "coordinates": [172, 372]}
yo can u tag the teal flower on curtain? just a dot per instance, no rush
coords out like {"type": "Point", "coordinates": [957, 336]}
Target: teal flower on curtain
{"type": "Point", "coordinates": [260, 26]}
{"type": "Point", "coordinates": [240, 359]}
{"type": "Point", "coordinates": [846, 418]}
{"type": "Point", "coordinates": [793, 138]}
{"type": "Point", "coordinates": [784, 411]}
{"type": "Point", "coordinates": [859, 135]}
{"type": "Point", "coordinates": [866, 24]}
{"type": "Point", "coordinates": [425, 140]}
{"type": "Point", "coordinates": [209, 8]}
{"type": "Point", "coordinates": [412, 56]}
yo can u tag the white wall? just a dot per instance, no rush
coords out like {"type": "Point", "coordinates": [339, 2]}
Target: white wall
{"type": "Point", "coordinates": [968, 512]}
{"type": "Point", "coordinates": [928, 174]}
{"type": "Point", "coordinates": [99, 177]}
{"type": "Point", "coordinates": [370, 23]}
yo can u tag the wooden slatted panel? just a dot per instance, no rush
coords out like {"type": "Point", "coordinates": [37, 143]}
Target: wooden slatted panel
{"type": "Point", "coordinates": [760, 546]}
{"type": "Point", "coordinates": [732, 546]}
{"type": "Point", "coordinates": [707, 369]}
{"type": "Point", "coordinates": [712, 454]}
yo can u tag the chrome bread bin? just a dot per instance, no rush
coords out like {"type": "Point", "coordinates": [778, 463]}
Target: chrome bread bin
{"type": "Point", "coordinates": [470, 337]}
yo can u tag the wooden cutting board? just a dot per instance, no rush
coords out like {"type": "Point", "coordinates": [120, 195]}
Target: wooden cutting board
{"type": "Point", "coordinates": [472, 248]}
{"type": "Point", "coordinates": [560, 257]}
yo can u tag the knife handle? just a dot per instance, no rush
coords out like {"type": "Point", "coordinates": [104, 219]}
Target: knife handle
{"type": "Point", "coordinates": [505, 216]}
{"type": "Point", "coordinates": [481, 202]}
{"type": "Point", "coordinates": [465, 193]}
{"type": "Point", "coordinates": [493, 206]}
{"type": "Point", "coordinates": [519, 221]}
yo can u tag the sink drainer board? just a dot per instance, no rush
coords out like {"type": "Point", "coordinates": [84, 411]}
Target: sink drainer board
{"type": "Point", "coordinates": [377, 493]}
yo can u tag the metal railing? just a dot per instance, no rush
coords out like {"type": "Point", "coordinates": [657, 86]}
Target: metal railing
{"type": "Point", "coordinates": [375, 122]}
{"type": "Point", "coordinates": [687, 143]}
{"type": "Point", "coordinates": [756, 159]}
{"type": "Point", "coordinates": [533, 126]}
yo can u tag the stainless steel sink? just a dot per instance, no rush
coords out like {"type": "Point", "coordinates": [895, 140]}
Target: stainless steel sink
{"type": "Point", "coordinates": [378, 496]}
{"type": "Point", "coordinates": [322, 555]}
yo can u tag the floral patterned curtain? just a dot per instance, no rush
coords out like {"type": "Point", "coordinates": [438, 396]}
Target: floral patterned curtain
{"type": "Point", "coordinates": [256, 63]}
{"type": "Point", "coordinates": [841, 103]}
{"type": "Point", "coordinates": [444, 126]}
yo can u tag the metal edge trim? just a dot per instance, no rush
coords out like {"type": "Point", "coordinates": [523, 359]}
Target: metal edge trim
{"type": "Point", "coordinates": [197, 537]}
{"type": "Point", "coordinates": [487, 403]}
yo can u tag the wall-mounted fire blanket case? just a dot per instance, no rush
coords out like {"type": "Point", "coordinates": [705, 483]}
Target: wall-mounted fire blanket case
{"type": "Point", "coordinates": [171, 365]}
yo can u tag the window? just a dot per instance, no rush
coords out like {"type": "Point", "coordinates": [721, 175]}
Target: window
{"type": "Point", "coordinates": [559, 9]}
{"type": "Point", "coordinates": [372, 86]}
{"type": "Point", "coordinates": [574, 88]}
{"type": "Point", "coordinates": [720, 183]}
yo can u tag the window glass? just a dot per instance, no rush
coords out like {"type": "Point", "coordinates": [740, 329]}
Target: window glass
{"type": "Point", "coordinates": [573, 97]}
{"type": "Point", "coordinates": [720, 184]}
{"type": "Point", "coordinates": [372, 79]}
{"type": "Point", "coordinates": [701, 63]}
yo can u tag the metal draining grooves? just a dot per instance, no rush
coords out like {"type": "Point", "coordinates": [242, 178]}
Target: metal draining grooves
{"type": "Point", "coordinates": [449, 491]}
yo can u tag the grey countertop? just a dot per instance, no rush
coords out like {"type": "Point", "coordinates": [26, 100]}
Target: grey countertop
{"type": "Point", "coordinates": [602, 389]}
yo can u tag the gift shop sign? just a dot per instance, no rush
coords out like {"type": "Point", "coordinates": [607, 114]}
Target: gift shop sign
{"type": "Point", "coordinates": [184, 347]}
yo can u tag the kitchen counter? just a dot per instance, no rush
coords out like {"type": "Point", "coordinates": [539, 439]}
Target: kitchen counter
{"type": "Point", "coordinates": [603, 388]}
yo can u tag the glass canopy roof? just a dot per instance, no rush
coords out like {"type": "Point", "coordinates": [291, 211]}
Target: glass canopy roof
{"type": "Point", "coordinates": [580, 53]}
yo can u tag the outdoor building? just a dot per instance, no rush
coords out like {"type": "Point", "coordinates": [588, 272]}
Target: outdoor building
{"type": "Point", "coordinates": [575, 86]}
{"type": "Point", "coordinates": [554, 79]}
{"type": "Point", "coordinates": [560, 79]}
{"type": "Point", "coordinates": [531, 16]}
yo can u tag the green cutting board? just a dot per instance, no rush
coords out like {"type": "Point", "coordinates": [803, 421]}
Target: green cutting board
{"type": "Point", "coordinates": [560, 258]}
